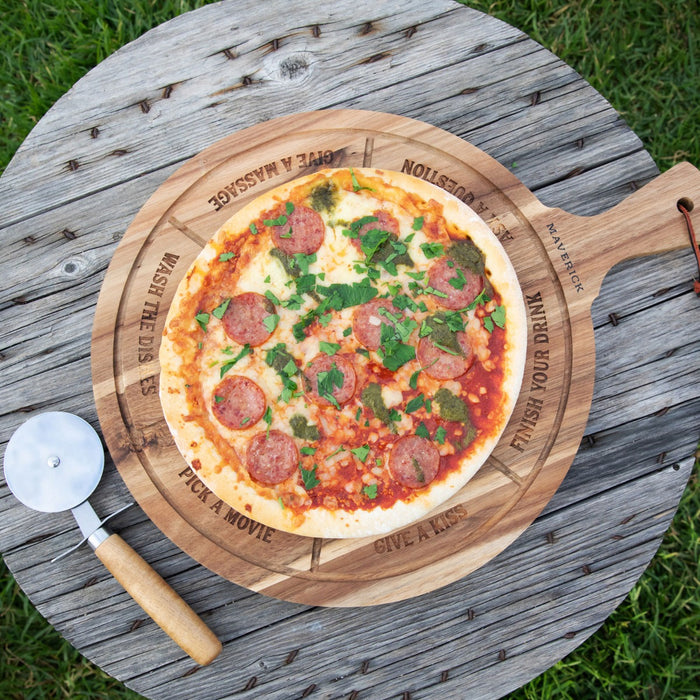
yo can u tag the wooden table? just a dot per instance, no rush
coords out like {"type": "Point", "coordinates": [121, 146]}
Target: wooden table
{"type": "Point", "coordinates": [95, 158]}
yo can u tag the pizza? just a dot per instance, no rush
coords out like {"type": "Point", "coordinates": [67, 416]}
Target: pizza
{"type": "Point", "coordinates": [344, 353]}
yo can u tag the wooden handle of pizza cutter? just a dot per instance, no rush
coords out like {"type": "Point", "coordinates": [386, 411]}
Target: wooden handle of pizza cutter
{"type": "Point", "coordinates": [159, 600]}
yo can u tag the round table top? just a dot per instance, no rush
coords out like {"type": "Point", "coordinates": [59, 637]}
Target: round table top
{"type": "Point", "coordinates": [92, 161]}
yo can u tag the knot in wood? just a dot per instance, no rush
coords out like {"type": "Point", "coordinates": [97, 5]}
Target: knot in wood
{"type": "Point", "coordinates": [294, 68]}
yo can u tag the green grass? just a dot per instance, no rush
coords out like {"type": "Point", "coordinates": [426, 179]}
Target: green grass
{"type": "Point", "coordinates": [643, 57]}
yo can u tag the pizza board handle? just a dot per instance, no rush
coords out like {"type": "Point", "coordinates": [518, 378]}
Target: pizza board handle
{"type": "Point", "coordinates": [647, 222]}
{"type": "Point", "coordinates": [159, 600]}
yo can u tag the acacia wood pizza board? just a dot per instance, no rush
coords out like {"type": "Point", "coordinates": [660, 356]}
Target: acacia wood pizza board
{"type": "Point", "coordinates": [560, 260]}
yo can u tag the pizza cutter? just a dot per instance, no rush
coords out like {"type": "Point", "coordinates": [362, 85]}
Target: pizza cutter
{"type": "Point", "coordinates": [53, 463]}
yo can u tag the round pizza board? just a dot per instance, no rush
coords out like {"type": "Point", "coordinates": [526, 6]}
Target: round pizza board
{"type": "Point", "coordinates": [560, 260]}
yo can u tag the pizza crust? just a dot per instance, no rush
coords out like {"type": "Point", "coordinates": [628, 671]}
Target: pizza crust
{"type": "Point", "coordinates": [226, 476]}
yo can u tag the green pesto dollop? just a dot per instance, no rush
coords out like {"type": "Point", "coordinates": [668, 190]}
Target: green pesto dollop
{"type": "Point", "coordinates": [288, 263]}
{"type": "Point", "coordinates": [324, 197]}
{"type": "Point", "coordinates": [451, 407]}
{"type": "Point", "coordinates": [372, 398]}
{"type": "Point", "coordinates": [302, 429]}
{"type": "Point", "coordinates": [468, 255]}
{"type": "Point", "coordinates": [443, 334]}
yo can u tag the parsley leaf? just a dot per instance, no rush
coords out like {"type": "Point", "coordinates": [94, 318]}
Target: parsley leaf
{"type": "Point", "coordinates": [432, 250]}
{"type": "Point", "coordinates": [280, 221]}
{"type": "Point", "coordinates": [220, 310]}
{"type": "Point", "coordinates": [356, 185]}
{"type": "Point", "coordinates": [202, 319]}
{"type": "Point", "coordinates": [253, 229]}
{"type": "Point", "coordinates": [270, 322]}
{"type": "Point", "coordinates": [227, 365]}
{"type": "Point", "coordinates": [415, 403]}
{"type": "Point", "coordinates": [361, 453]}
{"type": "Point", "coordinates": [308, 477]}
{"type": "Point", "coordinates": [417, 223]}
{"type": "Point", "coordinates": [422, 431]}
{"type": "Point", "coordinates": [289, 207]}
{"type": "Point", "coordinates": [327, 382]}
{"type": "Point", "coordinates": [499, 316]}
{"type": "Point", "coordinates": [225, 257]}
{"type": "Point", "coordinates": [329, 348]}
{"type": "Point", "coordinates": [440, 435]}
{"type": "Point", "coordinates": [370, 491]}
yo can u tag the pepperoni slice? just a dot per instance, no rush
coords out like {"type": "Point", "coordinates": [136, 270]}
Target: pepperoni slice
{"type": "Point", "coordinates": [239, 402]}
{"type": "Point", "coordinates": [302, 233]}
{"type": "Point", "coordinates": [440, 364]}
{"type": "Point", "coordinates": [243, 319]}
{"type": "Point", "coordinates": [271, 457]}
{"type": "Point", "coordinates": [336, 376]}
{"type": "Point", "coordinates": [414, 461]}
{"type": "Point", "coordinates": [367, 321]}
{"type": "Point", "coordinates": [460, 284]}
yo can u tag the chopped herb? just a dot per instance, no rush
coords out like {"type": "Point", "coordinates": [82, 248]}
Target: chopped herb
{"type": "Point", "coordinates": [306, 450]}
{"type": "Point", "coordinates": [435, 292]}
{"type": "Point", "coordinates": [347, 331]}
{"type": "Point", "coordinates": [303, 261]}
{"type": "Point", "coordinates": [272, 298]}
{"type": "Point", "coordinates": [280, 221]}
{"type": "Point", "coordinates": [416, 275]}
{"type": "Point", "coordinates": [499, 316]}
{"type": "Point", "coordinates": [253, 229]}
{"type": "Point", "coordinates": [432, 250]}
{"type": "Point", "coordinates": [329, 348]}
{"type": "Point", "coordinates": [440, 435]}
{"type": "Point", "coordinates": [343, 296]}
{"type": "Point", "coordinates": [327, 382]}
{"type": "Point", "coordinates": [397, 355]}
{"type": "Point", "coordinates": [422, 431]}
{"type": "Point", "coordinates": [302, 429]}
{"type": "Point", "coordinates": [267, 416]}
{"type": "Point", "coordinates": [202, 319]}
{"type": "Point", "coordinates": [267, 280]}
{"type": "Point", "coordinates": [363, 351]}
{"type": "Point", "coordinates": [335, 452]}
{"type": "Point", "coordinates": [459, 281]}
{"type": "Point", "coordinates": [245, 350]}
{"type": "Point", "coordinates": [370, 491]}
{"type": "Point", "coordinates": [225, 257]}
{"type": "Point", "coordinates": [270, 322]}
{"type": "Point", "coordinates": [325, 319]}
{"type": "Point", "coordinates": [417, 223]}
{"type": "Point", "coordinates": [415, 403]}
{"type": "Point", "coordinates": [220, 310]}
{"type": "Point", "coordinates": [358, 414]}
{"type": "Point", "coordinates": [361, 453]}
{"type": "Point", "coordinates": [288, 234]}
{"type": "Point", "coordinates": [281, 502]}
{"type": "Point", "coordinates": [356, 185]}
{"type": "Point", "coordinates": [488, 324]}
{"type": "Point", "coordinates": [308, 477]}
{"type": "Point", "coordinates": [289, 207]}
{"type": "Point", "coordinates": [218, 399]}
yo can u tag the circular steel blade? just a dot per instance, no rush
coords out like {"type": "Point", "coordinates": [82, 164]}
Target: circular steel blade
{"type": "Point", "coordinates": [54, 461]}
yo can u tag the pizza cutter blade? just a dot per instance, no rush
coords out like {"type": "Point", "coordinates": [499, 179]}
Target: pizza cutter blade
{"type": "Point", "coordinates": [53, 462]}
